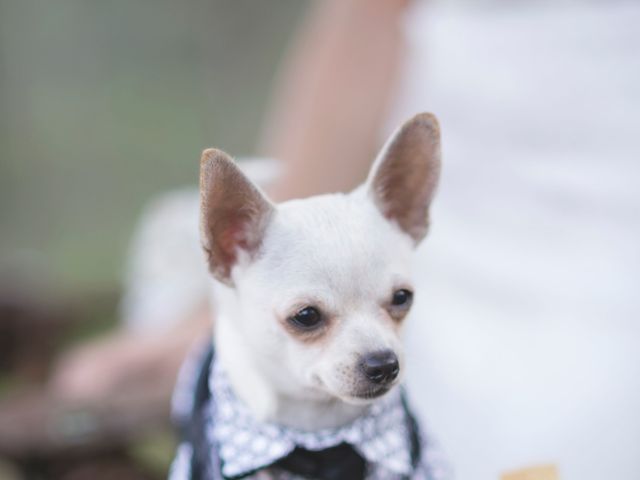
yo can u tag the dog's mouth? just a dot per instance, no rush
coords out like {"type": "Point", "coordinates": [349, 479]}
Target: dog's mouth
{"type": "Point", "coordinates": [360, 393]}
{"type": "Point", "coordinates": [370, 393]}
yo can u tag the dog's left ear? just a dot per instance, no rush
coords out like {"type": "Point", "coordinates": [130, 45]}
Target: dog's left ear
{"type": "Point", "coordinates": [403, 178]}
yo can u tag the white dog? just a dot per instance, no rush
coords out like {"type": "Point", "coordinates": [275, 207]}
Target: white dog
{"type": "Point", "coordinates": [311, 296]}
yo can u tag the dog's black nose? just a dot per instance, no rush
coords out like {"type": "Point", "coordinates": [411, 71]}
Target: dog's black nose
{"type": "Point", "coordinates": [381, 367]}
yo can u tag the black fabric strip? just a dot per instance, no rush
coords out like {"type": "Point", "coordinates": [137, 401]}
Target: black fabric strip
{"type": "Point", "coordinates": [414, 433]}
{"type": "Point", "coordinates": [200, 459]}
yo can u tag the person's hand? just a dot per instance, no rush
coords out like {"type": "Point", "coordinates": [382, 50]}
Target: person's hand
{"type": "Point", "coordinates": [125, 362]}
{"type": "Point", "coordinates": [99, 370]}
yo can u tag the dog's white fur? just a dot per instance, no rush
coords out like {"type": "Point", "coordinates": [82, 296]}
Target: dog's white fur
{"type": "Point", "coordinates": [343, 253]}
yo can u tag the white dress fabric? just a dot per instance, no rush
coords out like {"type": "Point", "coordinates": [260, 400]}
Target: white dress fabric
{"type": "Point", "coordinates": [524, 343]}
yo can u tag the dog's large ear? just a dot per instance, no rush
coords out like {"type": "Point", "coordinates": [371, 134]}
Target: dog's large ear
{"type": "Point", "coordinates": [403, 178]}
{"type": "Point", "coordinates": [234, 213]}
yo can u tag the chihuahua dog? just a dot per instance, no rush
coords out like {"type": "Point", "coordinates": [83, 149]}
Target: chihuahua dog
{"type": "Point", "coordinates": [311, 296]}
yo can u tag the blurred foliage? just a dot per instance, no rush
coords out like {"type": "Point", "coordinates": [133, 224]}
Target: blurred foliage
{"type": "Point", "coordinates": [155, 452]}
{"type": "Point", "coordinates": [105, 104]}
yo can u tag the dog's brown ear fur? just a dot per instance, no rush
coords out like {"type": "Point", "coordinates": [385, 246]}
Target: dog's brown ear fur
{"type": "Point", "coordinates": [403, 178]}
{"type": "Point", "coordinates": [234, 213]}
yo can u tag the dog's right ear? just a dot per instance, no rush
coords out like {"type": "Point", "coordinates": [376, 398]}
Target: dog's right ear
{"type": "Point", "coordinates": [234, 213]}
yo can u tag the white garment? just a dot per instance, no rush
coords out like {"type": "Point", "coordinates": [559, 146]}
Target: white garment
{"type": "Point", "coordinates": [524, 348]}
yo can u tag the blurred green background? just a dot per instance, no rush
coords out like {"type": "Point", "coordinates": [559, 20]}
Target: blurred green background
{"type": "Point", "coordinates": [106, 103]}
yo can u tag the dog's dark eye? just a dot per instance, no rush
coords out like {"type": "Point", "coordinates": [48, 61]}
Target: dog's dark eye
{"type": "Point", "coordinates": [307, 318]}
{"type": "Point", "coordinates": [402, 298]}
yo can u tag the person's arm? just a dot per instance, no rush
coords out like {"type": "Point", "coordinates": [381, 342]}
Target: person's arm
{"type": "Point", "coordinates": [333, 95]}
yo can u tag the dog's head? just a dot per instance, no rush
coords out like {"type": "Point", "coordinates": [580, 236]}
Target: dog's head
{"type": "Point", "coordinates": [321, 287]}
